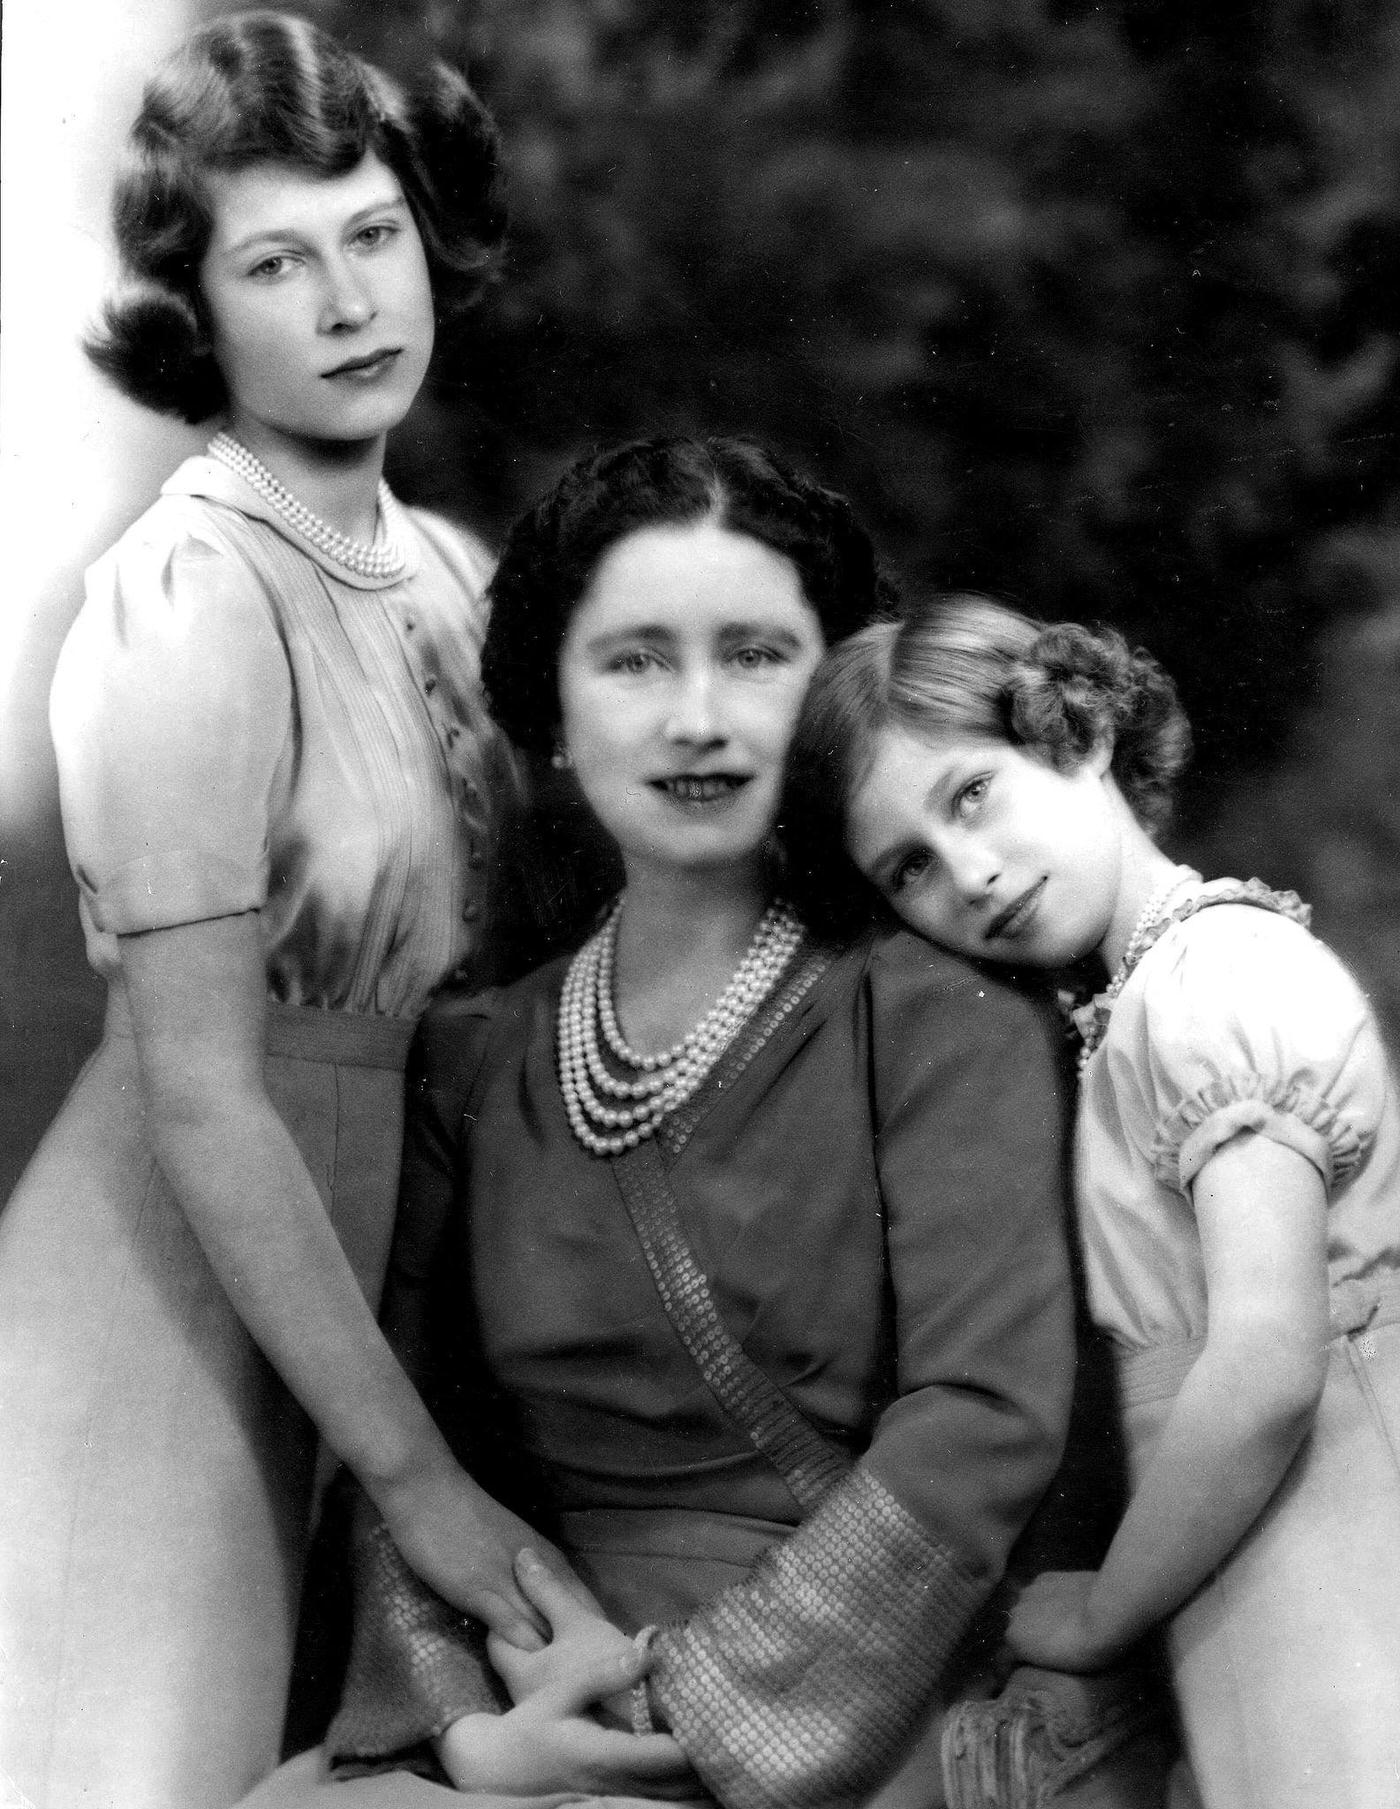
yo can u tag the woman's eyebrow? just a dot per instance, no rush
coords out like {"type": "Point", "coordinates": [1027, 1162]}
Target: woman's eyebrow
{"type": "Point", "coordinates": [758, 627]}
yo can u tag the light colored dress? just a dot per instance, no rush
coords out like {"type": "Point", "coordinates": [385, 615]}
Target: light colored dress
{"type": "Point", "coordinates": [240, 725]}
{"type": "Point", "coordinates": [1287, 1663]}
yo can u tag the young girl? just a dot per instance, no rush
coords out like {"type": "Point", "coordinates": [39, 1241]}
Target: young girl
{"type": "Point", "coordinates": [278, 786]}
{"type": "Point", "coordinates": [1237, 1174]}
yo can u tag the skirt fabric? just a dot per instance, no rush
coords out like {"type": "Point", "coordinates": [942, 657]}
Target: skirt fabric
{"type": "Point", "coordinates": [157, 1479]}
{"type": "Point", "coordinates": [1286, 1664]}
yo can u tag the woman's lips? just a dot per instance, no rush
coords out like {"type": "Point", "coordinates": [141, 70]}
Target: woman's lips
{"type": "Point", "coordinates": [1017, 915]}
{"type": "Point", "coordinates": [701, 789]}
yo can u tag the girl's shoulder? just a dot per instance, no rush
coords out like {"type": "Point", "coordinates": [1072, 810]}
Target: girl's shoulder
{"type": "Point", "coordinates": [465, 554]}
{"type": "Point", "coordinates": [1235, 960]}
{"type": "Point", "coordinates": [187, 551]}
{"type": "Point", "coordinates": [1240, 1019]}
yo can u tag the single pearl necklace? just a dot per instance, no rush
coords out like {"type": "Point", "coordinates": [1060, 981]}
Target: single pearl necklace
{"type": "Point", "coordinates": [383, 559]}
{"type": "Point", "coordinates": [1101, 1005]}
{"type": "Point", "coordinates": [653, 1085]}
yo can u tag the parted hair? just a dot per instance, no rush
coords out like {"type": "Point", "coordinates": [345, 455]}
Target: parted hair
{"type": "Point", "coordinates": [966, 666]}
{"type": "Point", "coordinates": [259, 87]}
{"type": "Point", "coordinates": [553, 551]}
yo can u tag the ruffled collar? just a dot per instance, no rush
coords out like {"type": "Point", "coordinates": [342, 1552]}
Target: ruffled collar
{"type": "Point", "coordinates": [1091, 1018]}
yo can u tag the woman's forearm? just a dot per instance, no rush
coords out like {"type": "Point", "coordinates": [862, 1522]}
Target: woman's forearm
{"type": "Point", "coordinates": [1233, 1431]}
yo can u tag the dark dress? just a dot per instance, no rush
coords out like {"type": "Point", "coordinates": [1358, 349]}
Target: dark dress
{"type": "Point", "coordinates": [871, 1182]}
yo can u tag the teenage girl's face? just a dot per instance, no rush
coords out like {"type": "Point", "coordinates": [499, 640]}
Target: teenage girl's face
{"type": "Point", "coordinates": [318, 294]}
{"type": "Point", "coordinates": [989, 850]}
{"type": "Point", "coordinates": [680, 678]}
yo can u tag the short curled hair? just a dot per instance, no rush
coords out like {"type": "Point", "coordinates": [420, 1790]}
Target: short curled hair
{"type": "Point", "coordinates": [259, 87]}
{"type": "Point", "coordinates": [554, 549]}
{"type": "Point", "coordinates": [966, 666]}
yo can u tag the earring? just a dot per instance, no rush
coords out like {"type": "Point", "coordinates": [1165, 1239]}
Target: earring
{"type": "Point", "coordinates": [561, 759]}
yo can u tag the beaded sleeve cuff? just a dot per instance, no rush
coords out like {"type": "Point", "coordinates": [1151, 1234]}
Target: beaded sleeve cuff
{"type": "Point", "coordinates": [802, 1684]}
{"type": "Point", "coordinates": [416, 1665]}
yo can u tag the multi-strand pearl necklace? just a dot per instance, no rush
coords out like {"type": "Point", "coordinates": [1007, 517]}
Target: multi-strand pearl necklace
{"type": "Point", "coordinates": [608, 1112]}
{"type": "Point", "coordinates": [384, 559]}
{"type": "Point", "coordinates": [1093, 1018]}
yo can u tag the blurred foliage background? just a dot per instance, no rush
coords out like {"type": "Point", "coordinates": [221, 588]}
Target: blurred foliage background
{"type": "Point", "coordinates": [1093, 305]}
{"type": "Point", "coordinates": [1090, 305]}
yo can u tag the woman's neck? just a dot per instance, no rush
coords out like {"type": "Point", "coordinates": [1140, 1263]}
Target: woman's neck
{"type": "Point", "coordinates": [337, 480]}
{"type": "Point", "coordinates": [679, 941]}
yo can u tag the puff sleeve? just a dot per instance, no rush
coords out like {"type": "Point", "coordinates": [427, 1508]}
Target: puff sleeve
{"type": "Point", "coordinates": [1245, 1022]}
{"type": "Point", "coordinates": [171, 710]}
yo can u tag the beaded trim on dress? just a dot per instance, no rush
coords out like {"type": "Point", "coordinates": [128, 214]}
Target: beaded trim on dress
{"type": "Point", "coordinates": [1091, 1020]}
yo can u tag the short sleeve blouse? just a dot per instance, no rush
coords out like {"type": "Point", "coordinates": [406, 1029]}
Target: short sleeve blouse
{"type": "Point", "coordinates": [1236, 1020]}
{"type": "Point", "coordinates": [243, 725]}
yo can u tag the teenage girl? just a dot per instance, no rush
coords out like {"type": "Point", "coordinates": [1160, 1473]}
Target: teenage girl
{"type": "Point", "coordinates": [279, 787]}
{"type": "Point", "coordinates": [1237, 1156]}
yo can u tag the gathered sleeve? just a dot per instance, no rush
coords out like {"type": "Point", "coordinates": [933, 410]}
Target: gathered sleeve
{"type": "Point", "coordinates": [171, 710]}
{"type": "Point", "coordinates": [1246, 1022]}
{"type": "Point", "coordinates": [800, 1685]}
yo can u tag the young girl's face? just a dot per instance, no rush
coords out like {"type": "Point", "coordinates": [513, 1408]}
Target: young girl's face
{"type": "Point", "coordinates": [319, 300]}
{"type": "Point", "coordinates": [989, 850]}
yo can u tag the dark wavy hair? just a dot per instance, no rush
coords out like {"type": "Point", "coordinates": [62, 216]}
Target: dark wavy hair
{"type": "Point", "coordinates": [553, 551]}
{"type": "Point", "coordinates": [260, 87]}
{"type": "Point", "coordinates": [556, 867]}
{"type": "Point", "coordinates": [967, 666]}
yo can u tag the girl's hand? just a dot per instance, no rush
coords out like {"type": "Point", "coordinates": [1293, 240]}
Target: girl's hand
{"type": "Point", "coordinates": [1051, 1626]}
{"type": "Point", "coordinates": [583, 1642]}
{"type": "Point", "coordinates": [552, 1742]}
{"type": "Point", "coordinates": [464, 1544]}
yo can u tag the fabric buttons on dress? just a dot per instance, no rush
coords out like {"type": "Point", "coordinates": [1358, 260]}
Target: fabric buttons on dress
{"type": "Point", "coordinates": [430, 684]}
{"type": "Point", "coordinates": [476, 858]}
{"type": "Point", "coordinates": [471, 910]}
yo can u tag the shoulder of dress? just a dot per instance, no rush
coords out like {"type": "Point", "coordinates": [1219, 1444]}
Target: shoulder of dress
{"type": "Point", "coordinates": [899, 960]}
{"type": "Point", "coordinates": [464, 550]}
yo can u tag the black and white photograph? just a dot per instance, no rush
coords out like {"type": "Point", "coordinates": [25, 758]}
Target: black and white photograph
{"type": "Point", "coordinates": [700, 905]}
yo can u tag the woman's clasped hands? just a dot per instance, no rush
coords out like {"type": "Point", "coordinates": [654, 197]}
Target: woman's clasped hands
{"type": "Point", "coordinates": [568, 1732]}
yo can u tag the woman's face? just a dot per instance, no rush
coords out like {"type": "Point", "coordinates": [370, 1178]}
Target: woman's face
{"type": "Point", "coordinates": [989, 850]}
{"type": "Point", "coordinates": [318, 295]}
{"type": "Point", "coordinates": [680, 679]}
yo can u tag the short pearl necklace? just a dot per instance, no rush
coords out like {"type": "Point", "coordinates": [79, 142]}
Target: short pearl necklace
{"type": "Point", "coordinates": [655, 1084]}
{"type": "Point", "coordinates": [383, 559]}
{"type": "Point", "coordinates": [1095, 1022]}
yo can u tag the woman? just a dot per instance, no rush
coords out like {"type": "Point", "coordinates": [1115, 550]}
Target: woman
{"type": "Point", "coordinates": [733, 1260]}
{"type": "Point", "coordinates": [278, 786]}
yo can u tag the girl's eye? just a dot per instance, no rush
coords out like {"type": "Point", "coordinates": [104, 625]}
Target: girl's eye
{"type": "Point", "coordinates": [379, 232]}
{"type": "Point", "coordinates": [971, 795]}
{"type": "Point", "coordinates": [911, 868]}
{"type": "Point", "coordinates": [269, 268]}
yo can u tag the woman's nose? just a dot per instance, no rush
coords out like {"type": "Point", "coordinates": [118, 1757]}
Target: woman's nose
{"type": "Point", "coordinates": [347, 301]}
{"type": "Point", "coordinates": [694, 714]}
